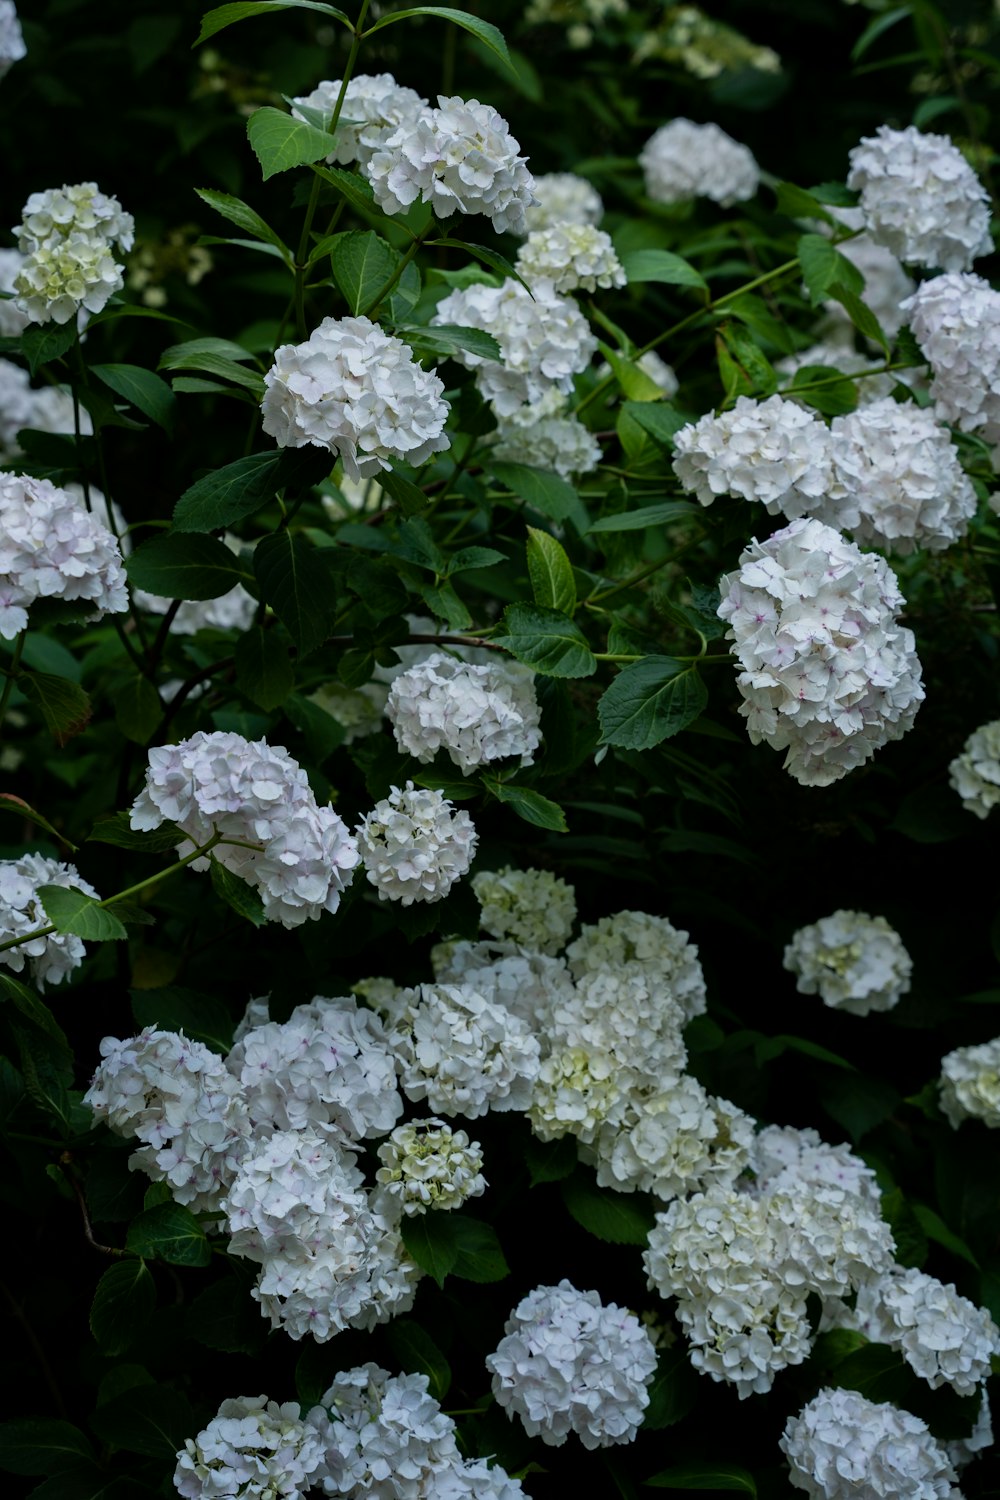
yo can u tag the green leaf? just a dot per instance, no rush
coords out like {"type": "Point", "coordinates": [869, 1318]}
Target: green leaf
{"type": "Point", "coordinates": [263, 670]}
{"type": "Point", "coordinates": [550, 1161]}
{"type": "Point", "coordinates": [226, 15]}
{"type": "Point", "coordinates": [220, 366]}
{"type": "Point", "coordinates": [65, 706]}
{"type": "Point", "coordinates": [319, 729]}
{"type": "Point", "coordinates": [936, 1229]}
{"type": "Point", "coordinates": [407, 496]}
{"type": "Point", "coordinates": [362, 263]}
{"type": "Point", "coordinates": [634, 382]}
{"type": "Point", "coordinates": [531, 806]}
{"type": "Point", "coordinates": [650, 701]}
{"type": "Point", "coordinates": [355, 189]}
{"type": "Point", "coordinates": [40, 345]}
{"type": "Point", "coordinates": [297, 586]}
{"type": "Point", "coordinates": [673, 1392]}
{"type": "Point", "coordinates": [34, 1009]}
{"type": "Point", "coordinates": [704, 1476]}
{"type": "Point", "coordinates": [146, 391]}
{"type": "Point", "coordinates": [469, 558]}
{"type": "Point", "coordinates": [114, 828]}
{"type": "Point", "coordinates": [184, 565]}
{"type": "Point", "coordinates": [447, 339]}
{"type": "Point", "coordinates": [659, 419]}
{"type": "Point", "coordinates": [663, 266]}
{"type": "Point", "coordinates": [491, 258]}
{"type": "Point", "coordinates": [229, 494]}
{"type": "Point", "coordinates": [648, 515]}
{"type": "Point", "coordinates": [479, 1257]}
{"type": "Point", "coordinates": [546, 640]}
{"type": "Point", "coordinates": [281, 142]}
{"type": "Point", "coordinates": [550, 572]}
{"type": "Point", "coordinates": [859, 312]}
{"type": "Point", "coordinates": [70, 910]}
{"type": "Point", "coordinates": [224, 1317]}
{"type": "Point", "coordinates": [417, 1354]}
{"type": "Point", "coordinates": [754, 369]}
{"type": "Point", "coordinates": [41, 1447]}
{"type": "Point", "coordinates": [878, 1372]}
{"type": "Point", "coordinates": [180, 356]}
{"type": "Point", "coordinates": [138, 710]}
{"type": "Point", "coordinates": [169, 1232]}
{"type": "Point", "coordinates": [153, 1420]}
{"type": "Point", "coordinates": [10, 803]}
{"type": "Point", "coordinates": [237, 894]}
{"type": "Point", "coordinates": [123, 1304]}
{"type": "Point", "coordinates": [823, 266]}
{"type": "Point", "coordinates": [616, 1218]}
{"type": "Point", "coordinates": [429, 1240]}
{"type": "Point", "coordinates": [797, 203]}
{"type": "Point", "coordinates": [876, 27]}
{"type": "Point", "coordinates": [483, 30]}
{"type": "Point", "coordinates": [911, 1241]}
{"type": "Point", "coordinates": [244, 217]}
{"type": "Point", "coordinates": [832, 393]}
{"type": "Point", "coordinates": [172, 1008]}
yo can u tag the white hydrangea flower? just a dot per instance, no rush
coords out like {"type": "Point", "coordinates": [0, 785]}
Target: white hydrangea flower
{"type": "Point", "coordinates": [631, 1011]}
{"type": "Point", "coordinates": [358, 711]}
{"type": "Point", "coordinates": [828, 675]}
{"type": "Point", "coordinates": [677, 1140]}
{"type": "Point", "coordinates": [856, 962]}
{"type": "Point", "coordinates": [66, 238]}
{"type": "Point", "coordinates": [945, 1338]}
{"type": "Point", "coordinates": [256, 793]}
{"type": "Point", "coordinates": [51, 548]}
{"type": "Point", "coordinates": [836, 1240]}
{"type": "Point", "coordinates": [527, 983]}
{"type": "Point", "coordinates": [920, 198]}
{"type": "Point", "coordinates": [636, 938]}
{"type": "Point", "coordinates": [427, 1166]}
{"type": "Point", "coordinates": [842, 357]}
{"type": "Point", "coordinates": [358, 391]}
{"type": "Point", "coordinates": [386, 1437]}
{"type": "Point", "coordinates": [47, 409]}
{"type": "Point", "coordinates": [962, 1451]}
{"type": "Point", "coordinates": [459, 156]}
{"type": "Point", "coordinates": [785, 1159]}
{"type": "Point", "coordinates": [956, 321]}
{"type": "Point", "coordinates": [563, 198]}
{"type": "Point", "coordinates": [773, 451]}
{"type": "Point", "coordinates": [414, 845]}
{"type": "Point", "coordinates": [252, 1448]}
{"type": "Point", "coordinates": [683, 160]}
{"type": "Point", "coordinates": [178, 1098]}
{"type": "Point", "coordinates": [363, 1277]}
{"type": "Point", "coordinates": [477, 714]}
{"type": "Point", "coordinates": [568, 1363]}
{"type": "Point", "coordinates": [970, 1084]}
{"type": "Point", "coordinates": [531, 907]}
{"type": "Point", "coordinates": [13, 321]}
{"type": "Point", "coordinates": [81, 209]}
{"type": "Point", "coordinates": [572, 257]}
{"type": "Point", "coordinates": [579, 1091]}
{"type": "Point", "coordinates": [48, 959]}
{"type": "Point", "coordinates": [544, 341]}
{"type": "Point", "coordinates": [12, 47]}
{"type": "Point", "coordinates": [842, 1446]}
{"type": "Point", "coordinates": [327, 1068]}
{"type": "Point", "coordinates": [474, 1479]}
{"type": "Point", "coordinates": [375, 106]}
{"type": "Point", "coordinates": [975, 774]}
{"type": "Point", "coordinates": [562, 444]}
{"type": "Point", "coordinates": [289, 1186]}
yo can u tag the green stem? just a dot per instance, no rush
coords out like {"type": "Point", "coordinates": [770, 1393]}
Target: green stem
{"type": "Point", "coordinates": [384, 291]}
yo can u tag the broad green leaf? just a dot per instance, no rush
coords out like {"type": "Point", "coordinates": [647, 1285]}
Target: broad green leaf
{"type": "Point", "coordinates": [878, 1372]}
{"type": "Point", "coordinates": [876, 26]}
{"type": "Point", "coordinates": [617, 1218]}
{"type": "Point", "coordinates": [550, 1161]}
{"type": "Point", "coordinates": [755, 369]}
{"type": "Point", "coordinates": [355, 189]}
{"type": "Point", "coordinates": [529, 805]}
{"type": "Point", "coordinates": [823, 265]}
{"type": "Point", "coordinates": [648, 515]}
{"type": "Point", "coordinates": [172, 1008]}
{"type": "Point", "coordinates": [442, 600]}
{"type": "Point", "coordinates": [229, 494]}
{"type": "Point", "coordinates": [362, 264]}
{"type": "Point", "coordinates": [297, 586]}
{"type": "Point", "coordinates": [635, 384]}
{"type": "Point", "coordinates": [483, 30]}
{"type": "Point", "coordinates": [468, 558]}
{"type": "Point", "coordinates": [826, 389]}
{"type": "Point", "coordinates": [226, 15]}
{"type": "Point", "coordinates": [114, 828]}
{"type": "Point", "coordinates": [281, 142]}
{"type": "Point", "coordinates": [704, 1476]}
{"type": "Point", "coordinates": [153, 1420]}
{"type": "Point", "coordinates": [859, 312]}
{"type": "Point", "coordinates": [479, 1257]}
{"type": "Point", "coordinates": [319, 729]}
{"type": "Point", "coordinates": [911, 1241]}
{"type": "Point", "coordinates": [179, 356]}
{"type": "Point", "coordinates": [417, 1354]}
{"type": "Point", "coordinates": [447, 339]}
{"type": "Point", "coordinates": [659, 419]}
{"type": "Point", "coordinates": [169, 1232]}
{"type": "Point", "coordinates": [546, 640]}
{"type": "Point", "coordinates": [123, 1304]}
{"type": "Point", "coordinates": [220, 367]}
{"type": "Point", "coordinates": [146, 391]}
{"type": "Point", "coordinates": [674, 1390]}
{"type": "Point", "coordinates": [773, 1046]}
{"type": "Point", "coordinates": [11, 804]}
{"type": "Point", "coordinates": [237, 894]}
{"type": "Point", "coordinates": [225, 1317]}
{"type": "Point", "coordinates": [432, 1244]}
{"type": "Point", "coordinates": [138, 710]}
{"type": "Point", "coordinates": [491, 258]}
{"type": "Point", "coordinates": [550, 572]}
{"type": "Point", "coordinates": [42, 344]}
{"type": "Point", "coordinates": [71, 910]}
{"type": "Point", "coordinates": [41, 1447]}
{"type": "Point", "coordinates": [34, 1009]}
{"type": "Point", "coordinates": [263, 670]}
{"type": "Point", "coordinates": [184, 565]}
{"type": "Point", "coordinates": [544, 491]}
{"type": "Point", "coordinates": [244, 217]}
{"type": "Point", "coordinates": [65, 706]}
{"type": "Point", "coordinates": [936, 1229]}
{"type": "Point", "coordinates": [650, 701]}
{"type": "Point", "coordinates": [797, 203]}
{"type": "Point", "coordinates": [662, 266]}
{"type": "Point", "coordinates": [410, 499]}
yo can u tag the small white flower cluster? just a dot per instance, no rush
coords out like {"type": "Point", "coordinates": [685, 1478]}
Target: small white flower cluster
{"type": "Point", "coordinates": [12, 47]}
{"type": "Point", "coordinates": [944, 1338]}
{"type": "Point", "coordinates": [856, 962]}
{"type": "Point", "coordinates": [47, 409]}
{"type": "Point", "coordinates": [772, 451]}
{"type": "Point", "coordinates": [683, 160]}
{"type": "Point", "coordinates": [568, 1363]}
{"type": "Point", "coordinates": [52, 548]}
{"type": "Point", "coordinates": [374, 107]}
{"type": "Point", "coordinates": [49, 959]}
{"type": "Point", "coordinates": [255, 1449]}
{"type": "Point", "coordinates": [956, 321]}
{"type": "Point", "coordinates": [637, 941]}
{"type": "Point", "coordinates": [527, 982]}
{"type": "Point", "coordinates": [358, 391]}
{"type": "Point", "coordinates": [920, 198]}
{"type": "Point", "coordinates": [563, 198]}
{"type": "Point", "coordinates": [301, 855]}
{"type": "Point", "coordinates": [975, 774]}
{"type": "Point", "coordinates": [828, 675]}
{"type": "Point", "coordinates": [478, 714]}
{"type": "Point", "coordinates": [842, 1446]}
{"type": "Point", "coordinates": [970, 1084]}
{"type": "Point", "coordinates": [427, 1166]}
{"type": "Point", "coordinates": [414, 845]}
{"type": "Point", "coordinates": [573, 257]}
{"type": "Point", "coordinates": [562, 444]}
{"type": "Point", "coordinates": [544, 341]}
{"type": "Point", "coordinates": [67, 236]}
{"type": "Point", "coordinates": [533, 908]}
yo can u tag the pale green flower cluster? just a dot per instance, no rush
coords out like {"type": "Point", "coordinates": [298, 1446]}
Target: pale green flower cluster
{"type": "Point", "coordinates": [531, 907]}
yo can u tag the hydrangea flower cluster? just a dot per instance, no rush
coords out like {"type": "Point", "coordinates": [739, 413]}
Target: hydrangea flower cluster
{"type": "Point", "coordinates": [358, 711]}
{"type": "Point", "coordinates": [12, 47]}
{"type": "Point", "coordinates": [13, 321]}
{"type": "Point", "coordinates": [301, 855]}
{"type": "Point", "coordinates": [47, 409]}
{"type": "Point", "coordinates": [253, 1448]}
{"type": "Point", "coordinates": [478, 714]}
{"type": "Point", "coordinates": [677, 1140]}
{"type": "Point", "coordinates": [568, 1363]}
{"type": "Point", "coordinates": [975, 774]}
{"type": "Point", "coordinates": [944, 1338]}
{"type": "Point", "coordinates": [956, 321]}
{"type": "Point", "coordinates": [683, 160]}
{"type": "Point", "coordinates": [66, 237]}
{"type": "Point", "coordinates": [358, 391]}
{"type": "Point", "coordinates": [828, 675]}
{"type": "Point", "coordinates": [856, 962]}
{"type": "Point", "coordinates": [533, 908]}
{"type": "Point", "coordinates": [970, 1084]}
{"type": "Point", "coordinates": [563, 198]}
{"type": "Point", "coordinates": [842, 1445]}
{"type": "Point", "coordinates": [51, 548]}
{"type": "Point", "coordinates": [414, 845]}
{"type": "Point", "coordinates": [636, 940]}
{"type": "Point", "coordinates": [526, 982]}
{"type": "Point", "coordinates": [562, 444]}
{"type": "Point", "coordinates": [573, 257]}
{"type": "Point", "coordinates": [773, 451]}
{"type": "Point", "coordinates": [920, 198]}
{"type": "Point", "coordinates": [375, 106]}
{"type": "Point", "coordinates": [427, 1166]}
{"type": "Point", "coordinates": [48, 959]}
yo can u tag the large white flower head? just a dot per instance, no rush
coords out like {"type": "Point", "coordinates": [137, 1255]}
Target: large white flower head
{"type": "Point", "coordinates": [544, 341]}
{"type": "Point", "coordinates": [945, 1338]}
{"type": "Point", "coordinates": [358, 391]}
{"type": "Point", "coordinates": [683, 160]}
{"type": "Point", "coordinates": [478, 714]}
{"type": "Point", "coordinates": [920, 198]}
{"type": "Point", "coordinates": [573, 257]}
{"type": "Point", "coordinates": [568, 1363]}
{"type": "Point", "coordinates": [386, 1437]}
{"type": "Point", "coordinates": [66, 237]}
{"type": "Point", "coordinates": [427, 1166]}
{"type": "Point", "coordinates": [631, 1011]}
{"type": "Point", "coordinates": [51, 548]}
{"type": "Point", "coordinates": [773, 451]}
{"type": "Point", "coordinates": [677, 1140]}
{"type": "Point", "coordinates": [375, 106]}
{"type": "Point", "coordinates": [531, 907]}
{"type": "Point", "coordinates": [253, 1449]}
{"type": "Point", "coordinates": [562, 444]}
{"type": "Point", "coordinates": [256, 793]}
{"type": "Point", "coordinates": [956, 321]}
{"type": "Point", "coordinates": [47, 409]}
{"type": "Point", "coordinates": [414, 845]}
{"type": "Point", "coordinates": [842, 1446]}
{"type": "Point", "coordinates": [527, 983]}
{"type": "Point", "coordinates": [828, 675]}
{"type": "Point", "coordinates": [638, 939]}
{"type": "Point", "coordinates": [459, 156]}
{"type": "Point", "coordinates": [975, 774]}
{"type": "Point", "coordinates": [970, 1084]}
{"type": "Point", "coordinates": [48, 959]}
{"type": "Point", "coordinates": [178, 1098]}
{"type": "Point", "coordinates": [12, 47]}
{"type": "Point", "coordinates": [784, 1160]}
{"type": "Point", "coordinates": [563, 198]}
{"type": "Point", "coordinates": [856, 962]}
{"type": "Point", "coordinates": [291, 1185]}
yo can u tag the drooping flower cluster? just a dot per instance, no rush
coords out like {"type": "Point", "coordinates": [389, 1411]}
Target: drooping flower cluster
{"type": "Point", "coordinates": [427, 1166]}
{"type": "Point", "coordinates": [48, 959]}
{"type": "Point", "coordinates": [414, 845]}
{"type": "Point", "coordinates": [12, 47]}
{"type": "Point", "coordinates": [683, 160]}
{"type": "Point", "coordinates": [920, 198]}
{"type": "Point", "coordinates": [854, 961]}
{"type": "Point", "coordinates": [52, 548]}
{"type": "Point", "coordinates": [956, 321]}
{"type": "Point", "coordinates": [253, 1448]}
{"type": "Point", "coordinates": [842, 1446]}
{"type": "Point", "coordinates": [533, 908]}
{"type": "Point", "coordinates": [828, 675]}
{"type": "Point", "coordinates": [67, 237]}
{"type": "Point", "coordinates": [358, 391]}
{"type": "Point", "coordinates": [572, 257]}
{"type": "Point", "coordinates": [374, 107]}
{"type": "Point", "coordinates": [477, 714]}
{"type": "Point", "coordinates": [944, 1338]}
{"type": "Point", "coordinates": [561, 443]}
{"type": "Point", "coordinates": [568, 1363]}
{"type": "Point", "coordinates": [563, 198]}
{"type": "Point", "coordinates": [300, 855]}
{"type": "Point", "coordinates": [772, 451]}
{"type": "Point", "coordinates": [975, 774]}
{"type": "Point", "coordinates": [970, 1084]}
